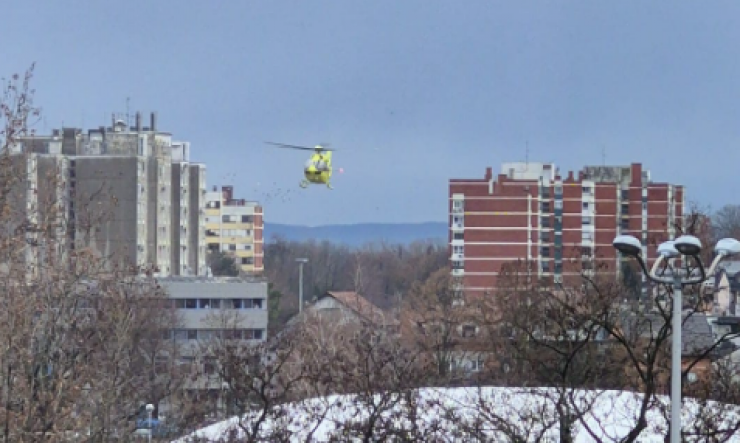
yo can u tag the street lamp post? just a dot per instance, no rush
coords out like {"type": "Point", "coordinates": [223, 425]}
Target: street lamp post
{"type": "Point", "coordinates": [149, 410]}
{"type": "Point", "coordinates": [301, 262]}
{"type": "Point", "coordinates": [686, 245]}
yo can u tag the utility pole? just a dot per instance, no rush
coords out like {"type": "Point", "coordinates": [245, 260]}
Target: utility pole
{"type": "Point", "coordinates": [301, 262]}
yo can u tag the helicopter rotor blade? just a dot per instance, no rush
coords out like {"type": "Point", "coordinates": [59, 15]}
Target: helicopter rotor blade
{"type": "Point", "coordinates": [283, 145]}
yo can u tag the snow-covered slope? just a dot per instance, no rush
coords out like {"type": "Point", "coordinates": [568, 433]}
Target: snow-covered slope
{"type": "Point", "coordinates": [610, 415]}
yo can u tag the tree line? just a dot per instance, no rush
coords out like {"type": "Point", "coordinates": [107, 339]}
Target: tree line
{"type": "Point", "coordinates": [382, 272]}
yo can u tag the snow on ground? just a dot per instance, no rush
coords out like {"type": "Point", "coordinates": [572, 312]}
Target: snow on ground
{"type": "Point", "coordinates": [611, 414]}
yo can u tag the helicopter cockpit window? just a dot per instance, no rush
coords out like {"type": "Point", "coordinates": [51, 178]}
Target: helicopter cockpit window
{"type": "Point", "coordinates": [309, 163]}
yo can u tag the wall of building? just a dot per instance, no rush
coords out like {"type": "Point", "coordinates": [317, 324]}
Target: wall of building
{"type": "Point", "coordinates": [235, 227]}
{"type": "Point", "coordinates": [107, 194]}
{"type": "Point", "coordinates": [196, 229]}
{"type": "Point", "coordinates": [222, 290]}
{"type": "Point", "coordinates": [562, 225]}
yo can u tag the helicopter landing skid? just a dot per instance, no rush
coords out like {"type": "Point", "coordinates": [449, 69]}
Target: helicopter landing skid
{"type": "Point", "coordinates": [303, 184]}
{"type": "Point", "coordinates": [328, 185]}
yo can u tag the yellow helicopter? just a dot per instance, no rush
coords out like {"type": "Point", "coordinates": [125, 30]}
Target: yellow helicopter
{"type": "Point", "coordinates": [317, 169]}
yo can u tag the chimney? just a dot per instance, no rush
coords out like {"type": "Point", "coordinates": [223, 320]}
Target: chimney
{"type": "Point", "coordinates": [138, 121]}
{"type": "Point", "coordinates": [570, 177]}
{"type": "Point", "coordinates": [636, 173]}
{"type": "Point", "coordinates": [489, 173]}
{"type": "Point", "coordinates": [113, 121]}
{"type": "Point", "coordinates": [153, 123]}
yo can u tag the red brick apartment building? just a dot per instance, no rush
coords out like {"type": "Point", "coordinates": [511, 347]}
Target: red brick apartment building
{"type": "Point", "coordinates": [560, 224]}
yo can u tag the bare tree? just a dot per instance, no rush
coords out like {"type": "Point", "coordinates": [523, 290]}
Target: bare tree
{"type": "Point", "coordinates": [257, 379]}
{"type": "Point", "coordinates": [726, 222]}
{"type": "Point", "coordinates": [440, 325]}
{"type": "Point", "coordinates": [381, 376]}
{"type": "Point", "coordinates": [75, 325]}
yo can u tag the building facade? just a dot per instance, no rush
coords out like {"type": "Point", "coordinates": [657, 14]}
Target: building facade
{"type": "Point", "coordinates": [213, 306]}
{"type": "Point", "coordinates": [211, 310]}
{"type": "Point", "coordinates": [131, 193]}
{"type": "Point", "coordinates": [235, 227]}
{"type": "Point", "coordinates": [560, 226]}
{"type": "Point", "coordinates": [188, 213]}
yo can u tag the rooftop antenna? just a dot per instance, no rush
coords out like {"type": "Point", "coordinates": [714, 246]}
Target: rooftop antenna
{"type": "Point", "coordinates": [603, 155]}
{"type": "Point", "coordinates": [128, 118]}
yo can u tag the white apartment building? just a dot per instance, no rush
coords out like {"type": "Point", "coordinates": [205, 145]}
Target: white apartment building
{"type": "Point", "coordinates": [156, 220]}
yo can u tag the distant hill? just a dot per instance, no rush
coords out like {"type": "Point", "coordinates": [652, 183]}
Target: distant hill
{"type": "Point", "coordinates": [361, 233]}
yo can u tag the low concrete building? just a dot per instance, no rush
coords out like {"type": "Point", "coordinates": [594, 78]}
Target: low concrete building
{"type": "Point", "coordinates": [210, 307]}
{"type": "Point", "coordinates": [210, 310]}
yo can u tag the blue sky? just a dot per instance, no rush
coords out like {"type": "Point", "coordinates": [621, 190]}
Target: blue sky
{"type": "Point", "coordinates": [411, 92]}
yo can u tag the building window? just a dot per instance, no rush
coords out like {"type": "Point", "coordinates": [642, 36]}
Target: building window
{"type": "Point", "coordinates": [558, 204]}
{"type": "Point", "coordinates": [247, 219]}
{"type": "Point", "coordinates": [625, 208]}
{"type": "Point", "coordinates": [247, 303]}
{"type": "Point", "coordinates": [586, 220]}
{"type": "Point", "coordinates": [209, 365]}
{"type": "Point", "coordinates": [586, 252]}
{"type": "Point", "coordinates": [586, 190]}
{"type": "Point", "coordinates": [209, 303]}
{"type": "Point", "coordinates": [545, 207]}
{"type": "Point", "coordinates": [247, 260]}
{"type": "Point", "coordinates": [625, 223]}
{"type": "Point", "coordinates": [458, 249]}
{"type": "Point", "coordinates": [545, 236]}
{"type": "Point", "coordinates": [558, 189]}
{"type": "Point", "coordinates": [585, 205]}
{"type": "Point", "coordinates": [468, 331]}
{"type": "Point", "coordinates": [586, 236]}
{"type": "Point", "coordinates": [458, 205]}
{"type": "Point", "coordinates": [545, 251]}
{"type": "Point", "coordinates": [457, 264]}
{"type": "Point", "coordinates": [458, 236]}
{"type": "Point", "coordinates": [545, 266]}
{"type": "Point", "coordinates": [545, 192]}
{"type": "Point", "coordinates": [253, 334]}
{"type": "Point", "coordinates": [545, 222]}
{"type": "Point", "coordinates": [625, 194]}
